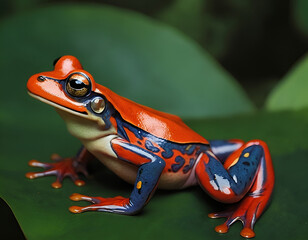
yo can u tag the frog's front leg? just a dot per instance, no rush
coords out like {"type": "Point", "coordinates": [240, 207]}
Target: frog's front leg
{"type": "Point", "coordinates": [63, 167]}
{"type": "Point", "coordinates": [246, 175]}
{"type": "Point", "coordinates": [149, 171]}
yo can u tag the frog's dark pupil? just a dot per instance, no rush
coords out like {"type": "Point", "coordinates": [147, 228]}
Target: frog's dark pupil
{"type": "Point", "coordinates": [76, 84]}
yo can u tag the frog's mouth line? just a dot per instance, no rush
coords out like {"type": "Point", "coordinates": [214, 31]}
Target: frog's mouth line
{"type": "Point", "coordinates": [74, 112]}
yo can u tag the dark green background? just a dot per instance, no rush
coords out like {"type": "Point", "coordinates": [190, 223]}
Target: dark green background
{"type": "Point", "coordinates": [232, 69]}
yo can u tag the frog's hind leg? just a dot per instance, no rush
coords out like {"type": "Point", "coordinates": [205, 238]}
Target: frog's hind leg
{"type": "Point", "coordinates": [246, 174]}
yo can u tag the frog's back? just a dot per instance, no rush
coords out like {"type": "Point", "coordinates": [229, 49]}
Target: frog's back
{"type": "Point", "coordinates": [160, 124]}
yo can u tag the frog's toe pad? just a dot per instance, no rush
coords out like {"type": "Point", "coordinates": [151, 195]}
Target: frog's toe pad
{"type": "Point", "coordinates": [30, 175]}
{"type": "Point", "coordinates": [56, 184]}
{"type": "Point", "coordinates": [247, 233]}
{"type": "Point", "coordinates": [79, 182]}
{"type": "Point", "coordinates": [35, 163]}
{"type": "Point", "coordinates": [75, 209]}
{"type": "Point", "coordinates": [80, 197]}
{"type": "Point", "coordinates": [223, 228]}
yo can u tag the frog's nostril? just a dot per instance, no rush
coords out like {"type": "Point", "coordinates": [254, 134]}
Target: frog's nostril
{"type": "Point", "coordinates": [41, 78]}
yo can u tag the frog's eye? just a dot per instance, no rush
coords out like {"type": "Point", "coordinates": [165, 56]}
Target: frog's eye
{"type": "Point", "coordinates": [78, 85]}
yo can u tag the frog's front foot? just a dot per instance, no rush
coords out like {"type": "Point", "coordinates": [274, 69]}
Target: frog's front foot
{"type": "Point", "coordinates": [245, 211]}
{"type": "Point", "coordinates": [61, 168]}
{"type": "Point", "coordinates": [118, 204]}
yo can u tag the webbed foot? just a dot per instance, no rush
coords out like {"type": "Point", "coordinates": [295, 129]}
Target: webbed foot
{"type": "Point", "coordinates": [61, 168]}
{"type": "Point", "coordinates": [246, 211]}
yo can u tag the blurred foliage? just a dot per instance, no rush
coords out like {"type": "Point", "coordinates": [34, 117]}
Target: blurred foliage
{"type": "Point", "coordinates": [291, 92]}
{"type": "Point", "coordinates": [252, 39]}
{"type": "Point", "coordinates": [134, 56]}
{"type": "Point", "coordinates": [256, 41]}
{"type": "Point", "coordinates": [301, 15]}
{"type": "Point", "coordinates": [185, 16]}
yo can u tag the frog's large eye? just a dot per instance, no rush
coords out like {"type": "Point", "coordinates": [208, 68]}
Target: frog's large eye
{"type": "Point", "coordinates": [78, 85]}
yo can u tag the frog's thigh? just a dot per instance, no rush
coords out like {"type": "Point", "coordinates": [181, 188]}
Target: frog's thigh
{"type": "Point", "coordinates": [229, 183]}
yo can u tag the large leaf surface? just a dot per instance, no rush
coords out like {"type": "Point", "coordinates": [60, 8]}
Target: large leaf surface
{"type": "Point", "coordinates": [43, 212]}
{"type": "Point", "coordinates": [291, 92]}
{"type": "Point", "coordinates": [136, 57]}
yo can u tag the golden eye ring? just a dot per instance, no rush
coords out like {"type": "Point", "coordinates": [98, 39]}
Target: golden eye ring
{"type": "Point", "coordinates": [78, 85]}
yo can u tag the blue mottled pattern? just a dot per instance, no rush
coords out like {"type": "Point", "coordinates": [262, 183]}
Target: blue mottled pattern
{"type": "Point", "coordinates": [241, 175]}
{"type": "Point", "coordinates": [189, 149]}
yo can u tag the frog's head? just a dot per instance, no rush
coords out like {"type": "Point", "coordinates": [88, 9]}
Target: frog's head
{"type": "Point", "coordinates": [69, 88]}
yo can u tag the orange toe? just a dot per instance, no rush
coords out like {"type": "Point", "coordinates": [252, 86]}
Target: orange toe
{"type": "Point", "coordinates": [247, 233]}
{"type": "Point", "coordinates": [76, 197]}
{"type": "Point", "coordinates": [79, 183]}
{"type": "Point", "coordinates": [75, 209]}
{"type": "Point", "coordinates": [56, 185]}
{"type": "Point", "coordinates": [221, 228]}
{"type": "Point", "coordinates": [30, 175]}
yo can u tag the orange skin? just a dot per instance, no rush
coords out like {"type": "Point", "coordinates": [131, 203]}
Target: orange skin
{"type": "Point", "coordinates": [149, 149]}
{"type": "Point", "coordinates": [174, 129]}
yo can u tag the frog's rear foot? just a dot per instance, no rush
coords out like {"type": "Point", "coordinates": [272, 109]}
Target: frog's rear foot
{"type": "Point", "coordinates": [247, 211]}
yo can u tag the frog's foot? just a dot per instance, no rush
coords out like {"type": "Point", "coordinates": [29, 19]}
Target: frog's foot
{"type": "Point", "coordinates": [245, 211]}
{"type": "Point", "coordinates": [116, 205]}
{"type": "Point", "coordinates": [246, 177]}
{"type": "Point", "coordinates": [61, 168]}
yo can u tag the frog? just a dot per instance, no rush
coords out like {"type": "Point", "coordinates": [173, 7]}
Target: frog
{"type": "Point", "coordinates": [149, 149]}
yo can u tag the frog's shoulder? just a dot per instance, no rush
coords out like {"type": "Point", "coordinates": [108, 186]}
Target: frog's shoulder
{"type": "Point", "coordinates": [159, 124]}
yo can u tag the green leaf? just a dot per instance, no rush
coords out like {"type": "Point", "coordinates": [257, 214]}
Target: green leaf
{"type": "Point", "coordinates": [291, 92]}
{"type": "Point", "coordinates": [43, 212]}
{"type": "Point", "coordinates": [134, 56]}
{"type": "Point", "coordinates": [185, 16]}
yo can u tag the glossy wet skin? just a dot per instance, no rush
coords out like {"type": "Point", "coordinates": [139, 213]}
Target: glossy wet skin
{"type": "Point", "coordinates": [149, 148]}
{"type": "Point", "coordinates": [75, 107]}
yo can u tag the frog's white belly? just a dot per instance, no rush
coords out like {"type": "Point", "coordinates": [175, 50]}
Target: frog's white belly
{"type": "Point", "coordinates": [101, 149]}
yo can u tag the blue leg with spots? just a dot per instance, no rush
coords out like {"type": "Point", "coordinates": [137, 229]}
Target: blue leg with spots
{"type": "Point", "coordinates": [245, 177]}
{"type": "Point", "coordinates": [231, 184]}
{"type": "Point", "coordinates": [149, 171]}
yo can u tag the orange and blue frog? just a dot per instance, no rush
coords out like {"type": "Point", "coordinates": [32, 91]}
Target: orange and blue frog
{"type": "Point", "coordinates": [149, 149]}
